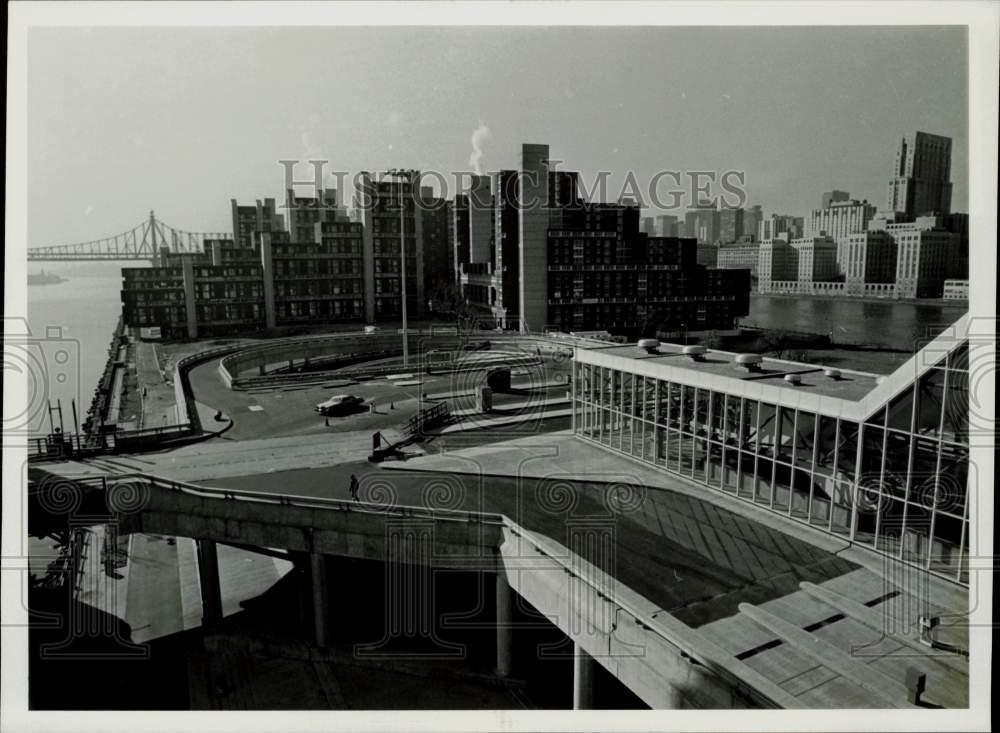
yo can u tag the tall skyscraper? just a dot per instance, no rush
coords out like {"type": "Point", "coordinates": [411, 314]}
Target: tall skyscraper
{"type": "Point", "coordinates": [702, 222]}
{"type": "Point", "coordinates": [752, 217]}
{"type": "Point", "coordinates": [666, 226]}
{"type": "Point", "coordinates": [480, 219]}
{"type": "Point", "coordinates": [921, 176]}
{"type": "Point", "coordinates": [731, 224]}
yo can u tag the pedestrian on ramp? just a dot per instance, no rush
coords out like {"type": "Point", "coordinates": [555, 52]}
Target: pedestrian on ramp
{"type": "Point", "coordinates": [354, 487]}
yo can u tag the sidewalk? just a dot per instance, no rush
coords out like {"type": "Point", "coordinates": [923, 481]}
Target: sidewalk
{"type": "Point", "coordinates": [158, 403]}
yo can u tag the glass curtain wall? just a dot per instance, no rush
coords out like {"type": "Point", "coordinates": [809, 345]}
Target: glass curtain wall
{"type": "Point", "coordinates": [896, 483]}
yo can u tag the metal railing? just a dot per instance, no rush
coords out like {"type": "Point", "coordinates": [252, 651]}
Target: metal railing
{"type": "Point", "coordinates": [426, 417]}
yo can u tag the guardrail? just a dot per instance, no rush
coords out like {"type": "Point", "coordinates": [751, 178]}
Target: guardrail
{"type": "Point", "coordinates": [294, 348]}
{"type": "Point", "coordinates": [59, 446]}
{"type": "Point", "coordinates": [426, 417]}
{"type": "Point", "coordinates": [184, 410]}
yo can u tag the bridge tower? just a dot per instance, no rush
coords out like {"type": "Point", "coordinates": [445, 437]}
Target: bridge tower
{"type": "Point", "coordinates": [152, 235]}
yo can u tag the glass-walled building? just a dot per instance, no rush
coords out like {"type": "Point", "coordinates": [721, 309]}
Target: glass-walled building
{"type": "Point", "coordinates": [881, 461]}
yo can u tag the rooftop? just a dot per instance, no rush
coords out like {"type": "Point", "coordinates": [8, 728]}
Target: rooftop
{"type": "Point", "coordinates": [850, 385]}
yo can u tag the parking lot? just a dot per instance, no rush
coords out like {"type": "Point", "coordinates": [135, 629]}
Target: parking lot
{"type": "Point", "coordinates": [290, 411]}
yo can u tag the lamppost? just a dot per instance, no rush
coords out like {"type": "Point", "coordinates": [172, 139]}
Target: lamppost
{"type": "Point", "coordinates": [404, 176]}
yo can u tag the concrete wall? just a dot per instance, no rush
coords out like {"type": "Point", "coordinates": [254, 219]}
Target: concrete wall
{"type": "Point", "coordinates": [348, 532]}
{"type": "Point", "coordinates": [617, 628]}
{"type": "Point", "coordinates": [267, 269]}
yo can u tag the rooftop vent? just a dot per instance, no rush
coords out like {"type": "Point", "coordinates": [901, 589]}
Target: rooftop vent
{"type": "Point", "coordinates": [750, 362]}
{"type": "Point", "coordinates": [652, 346]}
{"type": "Point", "coordinates": [695, 351]}
{"type": "Point", "coordinates": [793, 379]}
{"type": "Point", "coordinates": [831, 373]}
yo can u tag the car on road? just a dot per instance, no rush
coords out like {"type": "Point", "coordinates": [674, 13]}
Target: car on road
{"type": "Point", "coordinates": [338, 403]}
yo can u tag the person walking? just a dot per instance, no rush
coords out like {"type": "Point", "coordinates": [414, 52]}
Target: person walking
{"type": "Point", "coordinates": [354, 487]}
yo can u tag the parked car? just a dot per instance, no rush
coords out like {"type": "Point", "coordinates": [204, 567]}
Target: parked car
{"type": "Point", "coordinates": [338, 403]}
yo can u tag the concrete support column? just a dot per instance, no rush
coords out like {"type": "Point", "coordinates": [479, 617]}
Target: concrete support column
{"type": "Point", "coordinates": [317, 564]}
{"type": "Point", "coordinates": [583, 679]}
{"type": "Point", "coordinates": [505, 613]}
{"type": "Point", "coordinates": [211, 589]}
{"type": "Point", "coordinates": [190, 309]}
{"type": "Point", "coordinates": [267, 270]}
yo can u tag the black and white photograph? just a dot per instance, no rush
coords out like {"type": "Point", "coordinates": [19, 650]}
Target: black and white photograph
{"type": "Point", "coordinates": [515, 366]}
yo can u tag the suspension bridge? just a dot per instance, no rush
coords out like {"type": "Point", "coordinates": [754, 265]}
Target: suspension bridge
{"type": "Point", "coordinates": [141, 242]}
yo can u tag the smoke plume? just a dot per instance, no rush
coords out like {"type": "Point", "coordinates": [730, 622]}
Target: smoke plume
{"type": "Point", "coordinates": [479, 136]}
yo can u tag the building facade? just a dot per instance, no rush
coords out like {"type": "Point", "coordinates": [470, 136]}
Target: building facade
{"type": "Point", "coordinates": [261, 217]}
{"type": "Point", "coordinates": [460, 233]}
{"type": "Point", "coordinates": [731, 224]}
{"type": "Point", "coordinates": [605, 274]}
{"type": "Point", "coordinates": [229, 289]}
{"type": "Point", "coordinates": [817, 259]}
{"type": "Point", "coordinates": [881, 462]}
{"type": "Point", "coordinates": [702, 223]}
{"type": "Point", "coordinates": [752, 217]}
{"type": "Point", "coordinates": [667, 226]}
{"type": "Point", "coordinates": [739, 256]}
{"type": "Point", "coordinates": [436, 231]}
{"type": "Point", "coordinates": [390, 216]}
{"type": "Point", "coordinates": [708, 255]}
{"type": "Point", "coordinates": [956, 290]}
{"type": "Point", "coordinates": [303, 213]}
{"type": "Point", "coordinates": [777, 262]}
{"type": "Point", "coordinates": [780, 225]}
{"type": "Point", "coordinates": [921, 176]}
{"type": "Point", "coordinates": [830, 197]}
{"type": "Point", "coordinates": [922, 261]}
{"type": "Point", "coordinates": [870, 264]}
{"type": "Point", "coordinates": [839, 220]}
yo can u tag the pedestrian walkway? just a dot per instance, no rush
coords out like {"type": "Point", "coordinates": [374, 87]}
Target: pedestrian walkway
{"type": "Point", "coordinates": [223, 458]}
{"type": "Point", "coordinates": [158, 401]}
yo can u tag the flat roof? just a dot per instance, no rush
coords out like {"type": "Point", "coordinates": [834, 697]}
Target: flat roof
{"type": "Point", "coordinates": [852, 385]}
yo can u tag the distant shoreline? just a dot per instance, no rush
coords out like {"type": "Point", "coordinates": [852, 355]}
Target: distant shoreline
{"type": "Point", "coordinates": [939, 302]}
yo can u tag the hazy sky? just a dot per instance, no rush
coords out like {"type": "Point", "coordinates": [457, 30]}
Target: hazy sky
{"type": "Point", "coordinates": [181, 120]}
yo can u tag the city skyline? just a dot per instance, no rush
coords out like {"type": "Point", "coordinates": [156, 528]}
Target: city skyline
{"type": "Point", "coordinates": [913, 79]}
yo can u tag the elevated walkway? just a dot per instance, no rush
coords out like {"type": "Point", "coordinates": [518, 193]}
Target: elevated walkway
{"type": "Point", "coordinates": [647, 619]}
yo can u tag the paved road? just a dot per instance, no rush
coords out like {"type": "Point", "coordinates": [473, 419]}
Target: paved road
{"type": "Point", "coordinates": [286, 412]}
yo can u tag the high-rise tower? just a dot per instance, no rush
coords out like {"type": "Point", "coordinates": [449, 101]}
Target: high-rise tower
{"type": "Point", "coordinates": [921, 176]}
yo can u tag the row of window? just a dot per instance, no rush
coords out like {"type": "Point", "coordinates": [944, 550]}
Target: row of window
{"type": "Point", "coordinates": [897, 482]}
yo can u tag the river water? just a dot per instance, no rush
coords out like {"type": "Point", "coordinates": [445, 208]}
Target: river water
{"type": "Point", "coordinates": [84, 310]}
{"type": "Point", "coordinates": [848, 321]}
{"type": "Point", "coordinates": [71, 324]}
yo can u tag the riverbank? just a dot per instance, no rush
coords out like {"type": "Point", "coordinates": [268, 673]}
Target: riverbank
{"type": "Point", "coordinates": [940, 302]}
